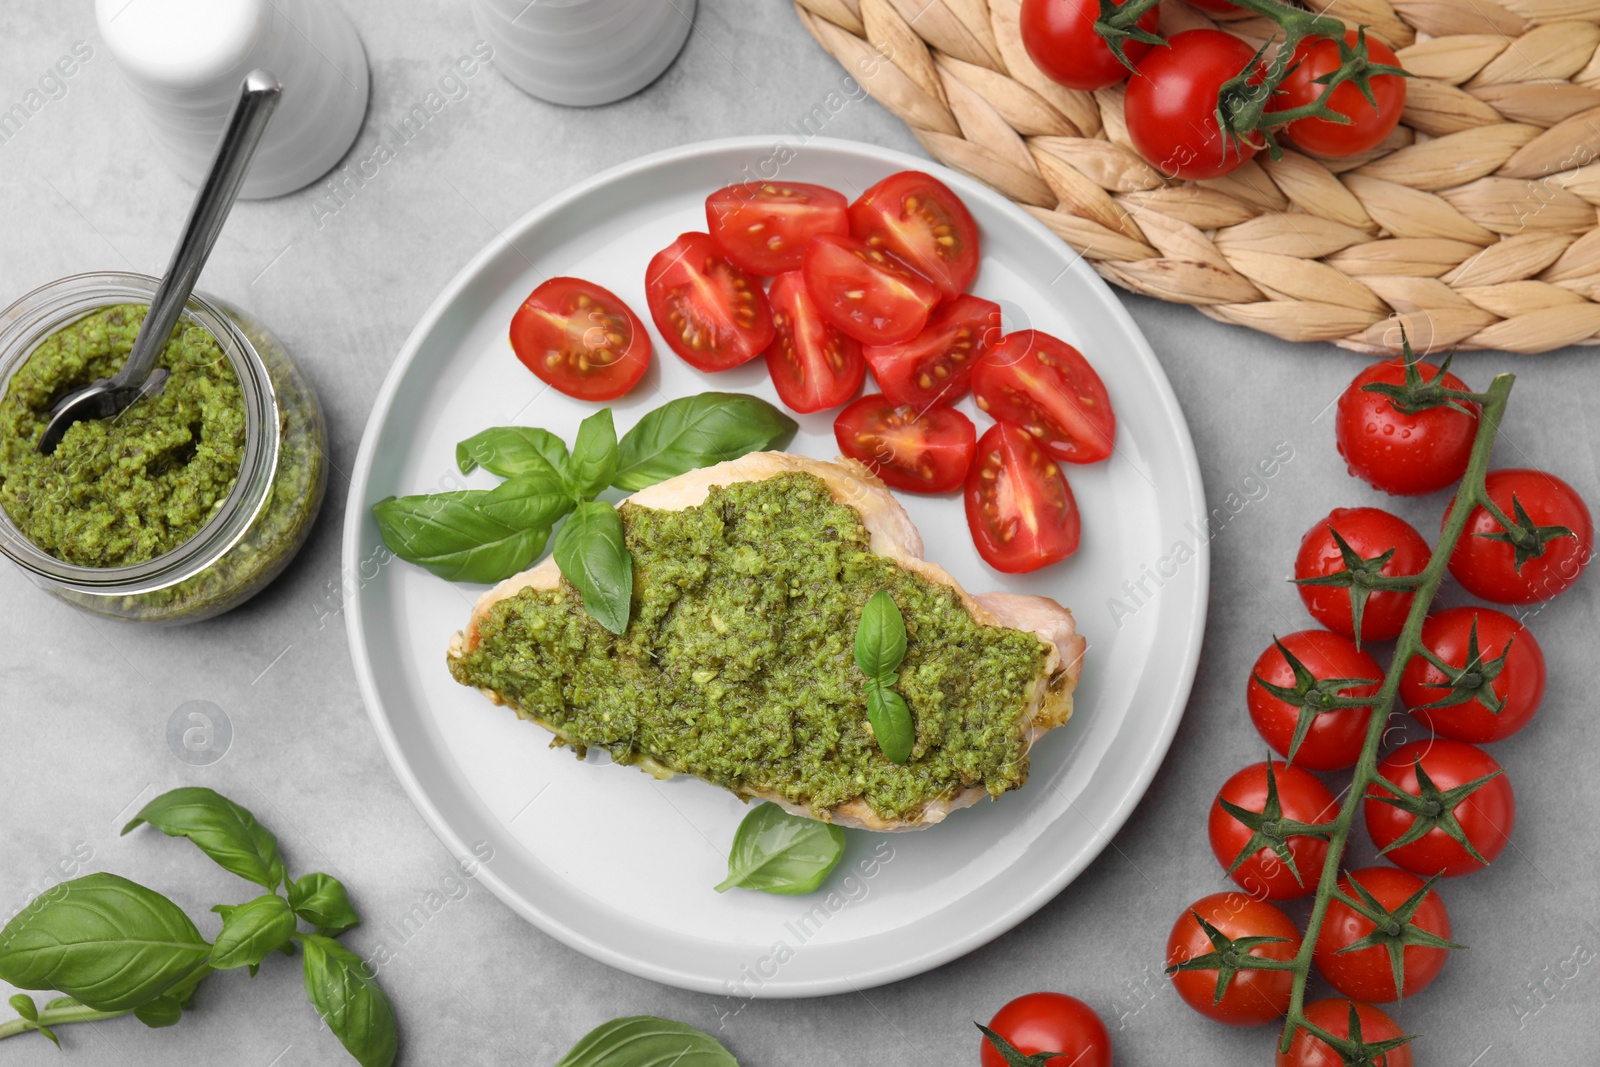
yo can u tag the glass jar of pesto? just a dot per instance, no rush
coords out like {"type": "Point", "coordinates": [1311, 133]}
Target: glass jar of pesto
{"type": "Point", "coordinates": [150, 546]}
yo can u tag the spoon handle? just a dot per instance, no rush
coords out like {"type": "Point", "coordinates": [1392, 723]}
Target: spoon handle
{"type": "Point", "coordinates": [258, 96]}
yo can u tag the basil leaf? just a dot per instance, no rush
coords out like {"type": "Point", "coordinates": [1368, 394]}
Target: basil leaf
{"type": "Point", "coordinates": [221, 829]}
{"type": "Point", "coordinates": [108, 942]}
{"type": "Point", "coordinates": [512, 450]}
{"type": "Point", "coordinates": [251, 931]}
{"type": "Point", "coordinates": [25, 1007]}
{"type": "Point", "coordinates": [592, 555]}
{"type": "Point", "coordinates": [342, 989]}
{"type": "Point", "coordinates": [697, 431]}
{"type": "Point", "coordinates": [880, 637]}
{"type": "Point", "coordinates": [776, 852]}
{"type": "Point", "coordinates": [449, 534]}
{"type": "Point", "coordinates": [321, 900]}
{"type": "Point", "coordinates": [643, 1040]}
{"type": "Point", "coordinates": [528, 501]}
{"type": "Point", "coordinates": [891, 722]}
{"type": "Point", "coordinates": [162, 1011]}
{"type": "Point", "coordinates": [594, 455]}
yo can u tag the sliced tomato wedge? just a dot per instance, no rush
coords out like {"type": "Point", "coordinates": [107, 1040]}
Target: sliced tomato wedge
{"type": "Point", "coordinates": [916, 217]}
{"type": "Point", "coordinates": [581, 339]}
{"type": "Point", "coordinates": [865, 292]}
{"type": "Point", "coordinates": [814, 365]}
{"type": "Point", "coordinates": [763, 227]}
{"type": "Point", "coordinates": [918, 451]}
{"type": "Point", "coordinates": [1019, 506]}
{"type": "Point", "coordinates": [711, 313]}
{"type": "Point", "coordinates": [1044, 385]}
{"type": "Point", "coordinates": [935, 367]}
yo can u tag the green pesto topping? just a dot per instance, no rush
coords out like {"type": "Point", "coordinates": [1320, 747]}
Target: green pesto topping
{"type": "Point", "coordinates": [121, 491]}
{"type": "Point", "coordinates": [738, 664]}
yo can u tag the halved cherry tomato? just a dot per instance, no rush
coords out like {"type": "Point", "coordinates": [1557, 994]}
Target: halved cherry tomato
{"type": "Point", "coordinates": [813, 364]}
{"type": "Point", "coordinates": [920, 452]}
{"type": "Point", "coordinates": [1484, 817]}
{"type": "Point", "coordinates": [711, 313]}
{"type": "Point", "coordinates": [1251, 997]}
{"type": "Point", "coordinates": [866, 292]}
{"type": "Point", "coordinates": [1534, 561]}
{"type": "Point", "coordinates": [1300, 797]}
{"type": "Point", "coordinates": [1332, 1014]}
{"type": "Point", "coordinates": [916, 217]}
{"type": "Point", "coordinates": [1045, 386]}
{"type": "Point", "coordinates": [1514, 686]}
{"type": "Point", "coordinates": [763, 227]}
{"type": "Point", "coordinates": [935, 367]}
{"type": "Point", "coordinates": [1019, 506]}
{"type": "Point", "coordinates": [1334, 738]}
{"type": "Point", "coordinates": [1368, 973]}
{"type": "Point", "coordinates": [581, 339]}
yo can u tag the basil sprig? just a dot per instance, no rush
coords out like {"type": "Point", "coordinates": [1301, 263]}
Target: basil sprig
{"type": "Point", "coordinates": [776, 852]}
{"type": "Point", "coordinates": [880, 648]}
{"type": "Point", "coordinates": [116, 947]}
{"type": "Point", "coordinates": [641, 1040]}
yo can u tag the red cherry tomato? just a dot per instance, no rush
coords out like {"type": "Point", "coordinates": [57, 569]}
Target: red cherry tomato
{"type": "Point", "coordinates": [1044, 385]}
{"type": "Point", "coordinates": [1369, 532]}
{"type": "Point", "coordinates": [917, 219]}
{"type": "Point", "coordinates": [581, 339]}
{"type": "Point", "coordinates": [1517, 685]}
{"type": "Point", "coordinates": [867, 293]}
{"type": "Point", "coordinates": [1487, 566]}
{"type": "Point", "coordinates": [1370, 121]}
{"type": "Point", "coordinates": [1485, 817]}
{"type": "Point", "coordinates": [1020, 508]}
{"type": "Point", "coordinates": [1215, 7]}
{"type": "Point", "coordinates": [1333, 740]}
{"type": "Point", "coordinates": [1172, 103]}
{"type": "Point", "coordinates": [1333, 1016]}
{"type": "Point", "coordinates": [1301, 797]}
{"type": "Point", "coordinates": [763, 227]}
{"type": "Point", "coordinates": [1060, 39]}
{"type": "Point", "coordinates": [1251, 997]}
{"type": "Point", "coordinates": [1399, 453]}
{"type": "Point", "coordinates": [814, 365]}
{"type": "Point", "coordinates": [920, 452]}
{"type": "Point", "coordinates": [710, 312]}
{"type": "Point", "coordinates": [935, 367]}
{"type": "Point", "coordinates": [1050, 1022]}
{"type": "Point", "coordinates": [1367, 973]}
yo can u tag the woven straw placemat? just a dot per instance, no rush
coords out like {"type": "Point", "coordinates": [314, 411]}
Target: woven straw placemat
{"type": "Point", "coordinates": [1474, 225]}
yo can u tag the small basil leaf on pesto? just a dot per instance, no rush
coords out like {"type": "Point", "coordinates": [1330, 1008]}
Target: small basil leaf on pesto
{"type": "Point", "coordinates": [776, 852]}
{"type": "Point", "coordinates": [252, 931]}
{"type": "Point", "coordinates": [641, 1040]}
{"type": "Point", "coordinates": [697, 431]}
{"type": "Point", "coordinates": [592, 555]}
{"type": "Point", "coordinates": [880, 637]}
{"type": "Point", "coordinates": [890, 717]}
{"type": "Point", "coordinates": [594, 455]}
{"type": "Point", "coordinates": [341, 987]}
{"type": "Point", "coordinates": [223, 830]}
{"type": "Point", "coordinates": [450, 535]}
{"type": "Point", "coordinates": [512, 450]}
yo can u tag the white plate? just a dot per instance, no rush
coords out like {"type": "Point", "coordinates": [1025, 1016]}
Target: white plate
{"type": "Point", "coordinates": [621, 866]}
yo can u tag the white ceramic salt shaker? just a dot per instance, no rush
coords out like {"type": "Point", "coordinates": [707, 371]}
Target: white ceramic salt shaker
{"type": "Point", "coordinates": [583, 52]}
{"type": "Point", "coordinates": [183, 61]}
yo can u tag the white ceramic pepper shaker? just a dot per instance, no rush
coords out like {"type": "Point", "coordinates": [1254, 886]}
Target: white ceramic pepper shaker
{"type": "Point", "coordinates": [183, 61]}
{"type": "Point", "coordinates": [583, 52]}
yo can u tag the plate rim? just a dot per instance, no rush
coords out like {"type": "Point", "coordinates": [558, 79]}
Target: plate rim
{"type": "Point", "coordinates": [1150, 759]}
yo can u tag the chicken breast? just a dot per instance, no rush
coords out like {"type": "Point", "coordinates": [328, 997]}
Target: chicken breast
{"type": "Point", "coordinates": [1047, 697]}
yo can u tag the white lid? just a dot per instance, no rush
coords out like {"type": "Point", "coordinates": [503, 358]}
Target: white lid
{"type": "Point", "coordinates": [180, 43]}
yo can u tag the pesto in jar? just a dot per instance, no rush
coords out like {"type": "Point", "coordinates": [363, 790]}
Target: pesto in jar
{"type": "Point", "coordinates": [117, 492]}
{"type": "Point", "coordinates": [738, 662]}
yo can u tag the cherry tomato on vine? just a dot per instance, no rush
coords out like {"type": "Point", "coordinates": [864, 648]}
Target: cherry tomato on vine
{"type": "Point", "coordinates": [1215, 7]}
{"type": "Point", "coordinates": [763, 227]}
{"type": "Point", "coordinates": [581, 339]}
{"type": "Point", "coordinates": [1484, 817]}
{"type": "Point", "coordinates": [1044, 385]}
{"type": "Point", "coordinates": [1250, 997]}
{"type": "Point", "coordinates": [1299, 796]}
{"type": "Point", "coordinates": [1060, 39]}
{"type": "Point", "coordinates": [1020, 508]}
{"type": "Point", "coordinates": [1368, 973]}
{"type": "Point", "coordinates": [1334, 738]}
{"type": "Point", "coordinates": [711, 313]}
{"type": "Point", "coordinates": [1171, 105]}
{"type": "Point", "coordinates": [935, 367]}
{"type": "Point", "coordinates": [1370, 121]}
{"type": "Point", "coordinates": [1400, 453]}
{"type": "Point", "coordinates": [1546, 561]}
{"type": "Point", "coordinates": [1514, 685]}
{"type": "Point", "coordinates": [814, 365]}
{"type": "Point", "coordinates": [1368, 533]}
{"type": "Point", "coordinates": [1050, 1022]}
{"type": "Point", "coordinates": [918, 451]}
{"type": "Point", "coordinates": [916, 218]}
{"type": "Point", "coordinates": [866, 292]}
{"type": "Point", "coordinates": [1333, 1016]}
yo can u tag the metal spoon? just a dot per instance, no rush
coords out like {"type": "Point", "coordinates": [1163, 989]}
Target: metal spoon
{"type": "Point", "coordinates": [108, 397]}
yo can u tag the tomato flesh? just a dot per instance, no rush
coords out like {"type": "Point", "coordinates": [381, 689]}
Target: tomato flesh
{"type": "Point", "coordinates": [814, 365]}
{"type": "Point", "coordinates": [711, 313]}
{"type": "Point", "coordinates": [1045, 386]}
{"type": "Point", "coordinates": [1020, 508]}
{"type": "Point", "coordinates": [1060, 39]}
{"type": "Point", "coordinates": [1370, 121]}
{"type": "Point", "coordinates": [935, 367]}
{"type": "Point", "coordinates": [763, 227]}
{"type": "Point", "coordinates": [866, 292]}
{"type": "Point", "coordinates": [580, 339]}
{"type": "Point", "coordinates": [918, 451]}
{"type": "Point", "coordinates": [1172, 102]}
{"type": "Point", "coordinates": [917, 219]}
{"type": "Point", "coordinates": [1050, 1022]}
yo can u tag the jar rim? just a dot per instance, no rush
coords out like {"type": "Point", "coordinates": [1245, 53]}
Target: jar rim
{"type": "Point", "coordinates": [40, 313]}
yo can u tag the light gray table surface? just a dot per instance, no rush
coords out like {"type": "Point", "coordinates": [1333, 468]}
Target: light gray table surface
{"type": "Point", "coordinates": [85, 704]}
